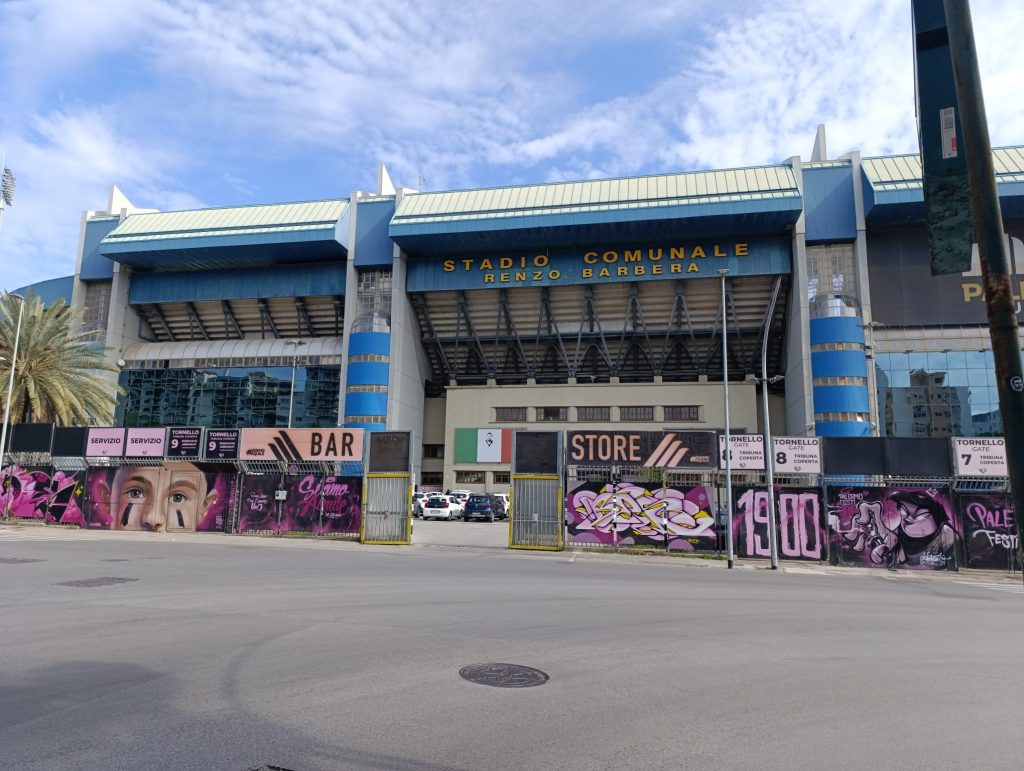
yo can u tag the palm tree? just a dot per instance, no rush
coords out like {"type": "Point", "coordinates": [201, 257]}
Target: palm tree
{"type": "Point", "coordinates": [59, 374]}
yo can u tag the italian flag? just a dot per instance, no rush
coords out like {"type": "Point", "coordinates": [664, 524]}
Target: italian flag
{"type": "Point", "coordinates": [483, 445]}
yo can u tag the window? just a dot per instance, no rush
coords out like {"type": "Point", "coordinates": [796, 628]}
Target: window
{"type": "Point", "coordinates": [510, 414]}
{"type": "Point", "coordinates": [841, 381]}
{"type": "Point", "coordinates": [553, 413]}
{"type": "Point", "coordinates": [685, 413]}
{"type": "Point", "coordinates": [431, 479]}
{"type": "Point", "coordinates": [636, 413]}
{"type": "Point", "coordinates": [433, 451]}
{"type": "Point", "coordinates": [469, 477]}
{"type": "Point", "coordinates": [501, 477]}
{"type": "Point", "coordinates": [594, 413]}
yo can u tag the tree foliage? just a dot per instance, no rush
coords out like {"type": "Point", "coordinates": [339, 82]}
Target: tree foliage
{"type": "Point", "coordinates": [59, 376]}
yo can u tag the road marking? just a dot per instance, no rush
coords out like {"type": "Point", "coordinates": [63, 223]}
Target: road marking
{"type": "Point", "coordinates": [1011, 588]}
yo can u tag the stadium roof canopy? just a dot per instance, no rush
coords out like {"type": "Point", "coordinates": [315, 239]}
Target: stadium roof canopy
{"type": "Point", "coordinates": [894, 193]}
{"type": "Point", "coordinates": [762, 199]}
{"type": "Point", "coordinates": [230, 237]}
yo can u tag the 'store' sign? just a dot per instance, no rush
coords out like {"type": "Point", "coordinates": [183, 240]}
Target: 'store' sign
{"type": "Point", "coordinates": [656, 449]}
{"type": "Point", "coordinates": [292, 445]}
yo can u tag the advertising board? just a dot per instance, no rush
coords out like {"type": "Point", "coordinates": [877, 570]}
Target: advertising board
{"type": "Point", "coordinates": [658, 449]}
{"type": "Point", "coordinates": [302, 444]}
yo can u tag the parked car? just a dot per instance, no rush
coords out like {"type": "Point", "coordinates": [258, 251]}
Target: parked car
{"type": "Point", "coordinates": [484, 506]}
{"type": "Point", "coordinates": [506, 499]}
{"type": "Point", "coordinates": [442, 507]}
{"type": "Point", "coordinates": [461, 495]}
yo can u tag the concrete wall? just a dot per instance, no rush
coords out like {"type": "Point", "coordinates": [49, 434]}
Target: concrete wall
{"type": "Point", "coordinates": [473, 407]}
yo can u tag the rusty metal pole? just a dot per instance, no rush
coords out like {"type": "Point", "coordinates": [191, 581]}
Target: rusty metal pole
{"type": "Point", "coordinates": [988, 228]}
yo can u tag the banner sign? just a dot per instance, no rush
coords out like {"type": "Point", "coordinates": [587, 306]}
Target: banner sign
{"type": "Point", "coordinates": [980, 457]}
{"type": "Point", "coordinates": [184, 442]}
{"type": "Point", "coordinates": [105, 443]}
{"type": "Point", "coordinates": [145, 443]}
{"type": "Point", "coordinates": [797, 454]}
{"type": "Point", "coordinates": [899, 265]}
{"type": "Point", "coordinates": [657, 449]}
{"type": "Point", "coordinates": [293, 445]}
{"type": "Point", "coordinates": [221, 444]}
{"type": "Point", "coordinates": [747, 452]}
{"type": "Point", "coordinates": [601, 264]}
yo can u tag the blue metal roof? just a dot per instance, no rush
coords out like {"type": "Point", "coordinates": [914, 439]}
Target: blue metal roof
{"type": "Point", "coordinates": [51, 290]}
{"type": "Point", "coordinates": [894, 193]}
{"type": "Point", "coordinates": [757, 200]}
{"type": "Point", "coordinates": [233, 237]}
{"type": "Point", "coordinates": [238, 284]}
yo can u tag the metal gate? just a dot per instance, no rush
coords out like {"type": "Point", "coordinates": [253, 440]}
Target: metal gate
{"type": "Point", "coordinates": [537, 512]}
{"type": "Point", "coordinates": [387, 504]}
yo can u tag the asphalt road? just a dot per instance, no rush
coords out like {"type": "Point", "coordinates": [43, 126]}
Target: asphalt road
{"type": "Point", "coordinates": [229, 653]}
{"type": "Point", "coordinates": [459, 533]}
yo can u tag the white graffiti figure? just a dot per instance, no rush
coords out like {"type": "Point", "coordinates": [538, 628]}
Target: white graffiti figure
{"type": "Point", "coordinates": [653, 513]}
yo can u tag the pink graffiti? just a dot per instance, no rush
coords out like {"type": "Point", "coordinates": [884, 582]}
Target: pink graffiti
{"type": "Point", "coordinates": [20, 497]}
{"type": "Point", "coordinates": [653, 513]}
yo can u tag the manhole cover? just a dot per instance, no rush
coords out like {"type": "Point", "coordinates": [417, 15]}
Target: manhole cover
{"type": "Point", "coordinates": [103, 581]}
{"type": "Point", "coordinates": [16, 560]}
{"type": "Point", "coordinates": [503, 675]}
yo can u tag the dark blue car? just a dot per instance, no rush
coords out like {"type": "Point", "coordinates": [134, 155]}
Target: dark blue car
{"type": "Point", "coordinates": [484, 506]}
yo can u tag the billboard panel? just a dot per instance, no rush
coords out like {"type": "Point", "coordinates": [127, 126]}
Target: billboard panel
{"type": "Point", "coordinates": [145, 443]}
{"type": "Point", "coordinates": [655, 449]}
{"type": "Point", "coordinates": [104, 443]}
{"type": "Point", "coordinates": [904, 292]}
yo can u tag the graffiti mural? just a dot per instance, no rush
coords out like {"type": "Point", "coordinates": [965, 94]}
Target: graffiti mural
{"type": "Point", "coordinates": [178, 497]}
{"type": "Point", "coordinates": [990, 535]}
{"type": "Point", "coordinates": [313, 503]}
{"type": "Point", "coordinates": [631, 513]}
{"type": "Point", "coordinates": [800, 523]}
{"type": "Point", "coordinates": [37, 493]}
{"type": "Point", "coordinates": [910, 527]}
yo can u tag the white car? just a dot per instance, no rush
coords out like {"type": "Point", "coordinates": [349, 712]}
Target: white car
{"type": "Point", "coordinates": [507, 500]}
{"type": "Point", "coordinates": [442, 507]}
{"type": "Point", "coordinates": [417, 503]}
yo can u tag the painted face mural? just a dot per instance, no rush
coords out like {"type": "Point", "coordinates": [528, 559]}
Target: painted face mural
{"type": "Point", "coordinates": [313, 503]}
{"type": "Point", "coordinates": [990, 535]}
{"type": "Point", "coordinates": [38, 493]}
{"type": "Point", "coordinates": [629, 513]}
{"type": "Point", "coordinates": [892, 527]}
{"type": "Point", "coordinates": [800, 526]}
{"type": "Point", "coordinates": [175, 497]}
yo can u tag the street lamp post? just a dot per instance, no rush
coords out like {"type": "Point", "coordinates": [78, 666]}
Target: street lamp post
{"type": "Point", "coordinates": [724, 273]}
{"type": "Point", "coordinates": [10, 382]}
{"type": "Point", "coordinates": [291, 393]}
{"type": "Point", "coordinates": [769, 454]}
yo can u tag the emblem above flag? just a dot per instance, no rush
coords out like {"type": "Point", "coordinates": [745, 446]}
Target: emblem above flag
{"type": "Point", "coordinates": [483, 445]}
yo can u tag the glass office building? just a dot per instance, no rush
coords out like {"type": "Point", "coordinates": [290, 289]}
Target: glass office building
{"type": "Point", "coordinates": [230, 397]}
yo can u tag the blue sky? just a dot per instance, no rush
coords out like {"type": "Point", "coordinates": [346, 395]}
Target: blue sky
{"type": "Point", "coordinates": [185, 103]}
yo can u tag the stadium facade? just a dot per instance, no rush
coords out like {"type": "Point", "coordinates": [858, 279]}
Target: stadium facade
{"type": "Point", "coordinates": [579, 305]}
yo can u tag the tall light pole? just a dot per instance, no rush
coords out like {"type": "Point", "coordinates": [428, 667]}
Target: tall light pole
{"type": "Point", "coordinates": [10, 383]}
{"type": "Point", "coordinates": [769, 454]}
{"type": "Point", "coordinates": [291, 393]}
{"type": "Point", "coordinates": [724, 273]}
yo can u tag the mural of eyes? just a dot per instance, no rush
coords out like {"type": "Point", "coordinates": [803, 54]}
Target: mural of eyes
{"type": "Point", "coordinates": [178, 498]}
{"type": "Point", "coordinates": [135, 494]}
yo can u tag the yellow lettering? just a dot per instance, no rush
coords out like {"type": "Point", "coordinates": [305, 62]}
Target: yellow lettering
{"type": "Point", "coordinates": [622, 270]}
{"type": "Point", "coordinates": [654, 254]}
{"type": "Point", "coordinates": [698, 251]}
{"type": "Point", "coordinates": [971, 291]}
{"type": "Point", "coordinates": [521, 275]}
{"type": "Point", "coordinates": [485, 264]}
{"type": "Point", "coordinates": [694, 268]}
{"type": "Point", "coordinates": [677, 253]}
{"type": "Point", "coordinates": [632, 256]}
{"type": "Point", "coordinates": [590, 258]}
{"type": "Point", "coordinates": [540, 261]}
{"type": "Point", "coordinates": [448, 265]}
{"type": "Point", "coordinates": [554, 274]}
{"type": "Point", "coordinates": [505, 263]}
{"type": "Point", "coordinates": [675, 267]}
{"type": "Point", "coordinates": [718, 251]}
{"type": "Point", "coordinates": [503, 278]}
{"type": "Point", "coordinates": [610, 257]}
{"type": "Point", "coordinates": [538, 275]}
{"type": "Point", "coordinates": [639, 270]}
{"type": "Point", "coordinates": [467, 264]}
{"type": "Point", "coordinates": [742, 250]}
{"type": "Point", "coordinates": [604, 273]}
{"type": "Point", "coordinates": [656, 270]}
{"type": "Point", "coordinates": [488, 278]}
{"type": "Point", "coordinates": [588, 273]}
